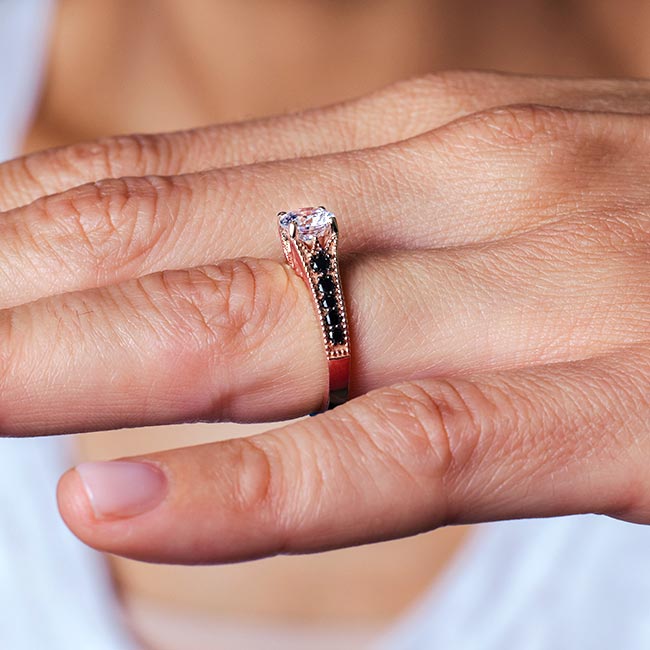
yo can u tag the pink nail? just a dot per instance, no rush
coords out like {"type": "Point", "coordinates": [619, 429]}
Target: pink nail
{"type": "Point", "coordinates": [122, 488]}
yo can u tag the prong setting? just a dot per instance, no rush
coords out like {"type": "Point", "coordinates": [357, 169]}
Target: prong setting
{"type": "Point", "coordinates": [312, 224]}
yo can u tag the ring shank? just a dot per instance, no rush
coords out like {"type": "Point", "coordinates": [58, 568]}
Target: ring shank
{"type": "Point", "coordinates": [339, 380]}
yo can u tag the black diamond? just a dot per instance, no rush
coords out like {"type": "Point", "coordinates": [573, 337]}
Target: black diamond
{"type": "Point", "coordinates": [329, 302]}
{"type": "Point", "coordinates": [320, 262]}
{"type": "Point", "coordinates": [326, 285]}
{"type": "Point", "coordinates": [332, 318]}
{"type": "Point", "coordinates": [336, 336]}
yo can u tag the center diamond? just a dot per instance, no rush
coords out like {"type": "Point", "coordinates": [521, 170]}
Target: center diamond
{"type": "Point", "coordinates": [311, 223]}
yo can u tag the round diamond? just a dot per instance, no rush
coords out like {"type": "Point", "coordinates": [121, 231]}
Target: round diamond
{"type": "Point", "coordinates": [311, 223]}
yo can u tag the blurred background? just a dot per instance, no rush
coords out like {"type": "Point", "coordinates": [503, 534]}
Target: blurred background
{"type": "Point", "coordinates": [154, 65]}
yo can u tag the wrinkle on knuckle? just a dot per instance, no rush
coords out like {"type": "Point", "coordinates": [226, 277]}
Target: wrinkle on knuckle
{"type": "Point", "coordinates": [572, 155]}
{"type": "Point", "coordinates": [579, 146]}
{"type": "Point", "coordinates": [115, 156]}
{"type": "Point", "coordinates": [298, 482]}
{"type": "Point", "coordinates": [617, 434]}
{"type": "Point", "coordinates": [617, 427]}
{"type": "Point", "coordinates": [445, 423]}
{"type": "Point", "coordinates": [403, 429]}
{"type": "Point", "coordinates": [104, 158]}
{"type": "Point", "coordinates": [358, 448]}
{"type": "Point", "coordinates": [416, 104]}
{"type": "Point", "coordinates": [452, 420]}
{"type": "Point", "coordinates": [112, 223]}
{"type": "Point", "coordinates": [251, 476]}
{"type": "Point", "coordinates": [551, 428]}
{"type": "Point", "coordinates": [519, 126]}
{"type": "Point", "coordinates": [93, 158]}
{"type": "Point", "coordinates": [31, 175]}
{"type": "Point", "coordinates": [597, 266]}
{"type": "Point", "coordinates": [230, 307]}
{"type": "Point", "coordinates": [261, 297]}
{"type": "Point", "coordinates": [27, 169]}
{"type": "Point", "coordinates": [200, 306]}
{"type": "Point", "coordinates": [383, 425]}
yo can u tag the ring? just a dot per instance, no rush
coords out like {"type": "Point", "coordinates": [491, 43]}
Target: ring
{"type": "Point", "coordinates": [309, 239]}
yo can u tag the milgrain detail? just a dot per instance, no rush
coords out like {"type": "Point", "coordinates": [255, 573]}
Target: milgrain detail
{"type": "Point", "coordinates": [310, 242]}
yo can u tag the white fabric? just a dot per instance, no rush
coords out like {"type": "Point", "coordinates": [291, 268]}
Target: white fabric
{"type": "Point", "coordinates": [55, 593]}
{"type": "Point", "coordinates": [561, 584]}
{"type": "Point", "coordinates": [23, 28]}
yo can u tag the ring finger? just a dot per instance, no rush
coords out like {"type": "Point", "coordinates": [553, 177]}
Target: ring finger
{"type": "Point", "coordinates": [240, 341]}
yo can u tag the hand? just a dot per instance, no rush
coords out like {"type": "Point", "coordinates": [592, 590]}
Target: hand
{"type": "Point", "coordinates": [495, 246]}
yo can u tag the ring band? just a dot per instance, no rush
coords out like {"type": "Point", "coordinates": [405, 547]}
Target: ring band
{"type": "Point", "coordinates": [310, 240]}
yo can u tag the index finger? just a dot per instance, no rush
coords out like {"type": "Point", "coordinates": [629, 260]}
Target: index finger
{"type": "Point", "coordinates": [562, 439]}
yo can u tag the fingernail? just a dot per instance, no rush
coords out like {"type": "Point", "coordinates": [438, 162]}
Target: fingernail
{"type": "Point", "coordinates": [122, 488]}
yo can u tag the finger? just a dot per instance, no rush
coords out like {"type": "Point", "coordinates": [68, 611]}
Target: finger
{"type": "Point", "coordinates": [490, 176]}
{"type": "Point", "coordinates": [240, 340]}
{"type": "Point", "coordinates": [392, 114]}
{"type": "Point", "coordinates": [554, 440]}
{"type": "Point", "coordinates": [568, 291]}
{"type": "Point", "coordinates": [401, 111]}
{"type": "Point", "coordinates": [235, 341]}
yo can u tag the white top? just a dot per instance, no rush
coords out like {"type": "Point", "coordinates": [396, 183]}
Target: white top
{"type": "Point", "coordinates": [569, 583]}
{"type": "Point", "coordinates": [23, 30]}
{"type": "Point", "coordinates": [574, 583]}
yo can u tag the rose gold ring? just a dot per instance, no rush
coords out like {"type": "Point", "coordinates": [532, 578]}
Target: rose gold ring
{"type": "Point", "coordinates": [309, 239]}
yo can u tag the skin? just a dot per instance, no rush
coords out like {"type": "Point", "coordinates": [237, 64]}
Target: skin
{"type": "Point", "coordinates": [509, 232]}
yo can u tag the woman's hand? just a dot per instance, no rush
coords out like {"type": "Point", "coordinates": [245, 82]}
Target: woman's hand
{"type": "Point", "coordinates": [495, 236]}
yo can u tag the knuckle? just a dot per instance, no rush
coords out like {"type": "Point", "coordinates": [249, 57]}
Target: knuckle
{"type": "Point", "coordinates": [24, 172]}
{"type": "Point", "coordinates": [250, 477]}
{"type": "Point", "coordinates": [432, 428]}
{"type": "Point", "coordinates": [112, 157]}
{"type": "Point", "coordinates": [113, 223]}
{"type": "Point", "coordinates": [521, 125]}
{"type": "Point", "coordinates": [116, 156]}
{"type": "Point", "coordinates": [301, 469]}
{"type": "Point", "coordinates": [230, 306]}
{"type": "Point", "coordinates": [572, 152]}
{"type": "Point", "coordinates": [418, 100]}
{"type": "Point", "coordinates": [538, 141]}
{"type": "Point", "coordinates": [453, 87]}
